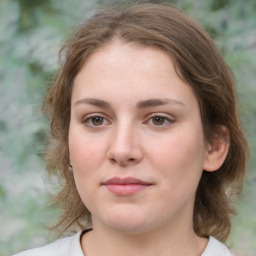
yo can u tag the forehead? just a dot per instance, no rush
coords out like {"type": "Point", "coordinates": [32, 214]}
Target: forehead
{"type": "Point", "coordinates": [120, 52]}
{"type": "Point", "coordinates": [128, 67]}
{"type": "Point", "coordinates": [119, 58]}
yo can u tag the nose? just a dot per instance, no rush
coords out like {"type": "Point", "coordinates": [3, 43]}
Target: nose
{"type": "Point", "coordinates": [125, 148]}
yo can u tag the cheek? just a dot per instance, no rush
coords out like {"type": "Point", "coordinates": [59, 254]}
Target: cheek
{"type": "Point", "coordinates": [86, 152]}
{"type": "Point", "coordinates": [180, 164]}
{"type": "Point", "coordinates": [182, 153]}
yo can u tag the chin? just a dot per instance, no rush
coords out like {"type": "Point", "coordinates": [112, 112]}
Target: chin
{"type": "Point", "coordinates": [129, 229]}
{"type": "Point", "coordinates": [128, 224]}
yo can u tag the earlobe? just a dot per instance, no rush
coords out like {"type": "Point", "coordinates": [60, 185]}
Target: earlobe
{"type": "Point", "coordinates": [217, 151]}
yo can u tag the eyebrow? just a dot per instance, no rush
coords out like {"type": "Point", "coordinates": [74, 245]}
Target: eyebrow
{"type": "Point", "coordinates": [141, 104]}
{"type": "Point", "coordinates": [94, 102]}
{"type": "Point", "coordinates": [158, 102]}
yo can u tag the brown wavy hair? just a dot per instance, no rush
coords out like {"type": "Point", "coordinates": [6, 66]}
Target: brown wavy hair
{"type": "Point", "coordinates": [197, 61]}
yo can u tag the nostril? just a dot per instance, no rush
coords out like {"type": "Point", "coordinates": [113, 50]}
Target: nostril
{"type": "Point", "coordinates": [112, 160]}
{"type": "Point", "coordinates": [123, 161]}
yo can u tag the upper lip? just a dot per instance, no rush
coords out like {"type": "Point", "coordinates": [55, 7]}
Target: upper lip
{"type": "Point", "coordinates": [125, 181]}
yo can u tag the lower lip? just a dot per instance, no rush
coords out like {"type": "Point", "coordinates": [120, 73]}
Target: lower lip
{"type": "Point", "coordinates": [127, 189]}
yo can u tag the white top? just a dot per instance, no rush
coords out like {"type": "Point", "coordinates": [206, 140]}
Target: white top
{"type": "Point", "coordinates": [71, 246]}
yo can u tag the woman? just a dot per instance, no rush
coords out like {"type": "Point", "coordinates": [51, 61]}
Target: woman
{"type": "Point", "coordinates": [145, 136]}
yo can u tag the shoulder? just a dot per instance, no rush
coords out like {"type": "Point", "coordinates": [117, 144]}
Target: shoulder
{"type": "Point", "coordinates": [63, 247]}
{"type": "Point", "coordinates": [216, 248]}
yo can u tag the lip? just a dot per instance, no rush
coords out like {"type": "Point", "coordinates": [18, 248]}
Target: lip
{"type": "Point", "coordinates": [125, 186]}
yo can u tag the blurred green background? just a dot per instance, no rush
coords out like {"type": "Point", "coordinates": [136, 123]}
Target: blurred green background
{"type": "Point", "coordinates": [31, 34]}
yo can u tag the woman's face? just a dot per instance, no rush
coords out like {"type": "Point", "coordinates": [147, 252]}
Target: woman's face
{"type": "Point", "coordinates": [136, 139]}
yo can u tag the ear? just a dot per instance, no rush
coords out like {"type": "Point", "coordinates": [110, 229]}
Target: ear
{"type": "Point", "coordinates": [217, 150]}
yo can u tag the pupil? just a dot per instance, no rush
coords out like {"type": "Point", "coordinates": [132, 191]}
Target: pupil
{"type": "Point", "coordinates": [97, 120]}
{"type": "Point", "coordinates": [158, 120]}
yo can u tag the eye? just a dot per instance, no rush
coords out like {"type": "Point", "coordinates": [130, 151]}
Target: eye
{"type": "Point", "coordinates": [159, 120]}
{"type": "Point", "coordinates": [95, 120]}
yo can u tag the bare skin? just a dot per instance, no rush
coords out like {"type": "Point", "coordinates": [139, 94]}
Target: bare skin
{"type": "Point", "coordinates": [142, 244]}
{"type": "Point", "coordinates": [133, 118]}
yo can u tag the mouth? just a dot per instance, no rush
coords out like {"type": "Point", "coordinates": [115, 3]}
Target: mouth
{"type": "Point", "coordinates": [125, 186]}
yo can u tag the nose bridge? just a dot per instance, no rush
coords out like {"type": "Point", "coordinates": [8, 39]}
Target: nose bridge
{"type": "Point", "coordinates": [124, 146]}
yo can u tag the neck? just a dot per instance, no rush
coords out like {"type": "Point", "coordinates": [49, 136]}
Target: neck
{"type": "Point", "coordinates": [165, 241]}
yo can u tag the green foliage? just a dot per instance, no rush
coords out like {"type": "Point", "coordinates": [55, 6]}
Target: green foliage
{"type": "Point", "coordinates": [218, 4]}
{"type": "Point", "coordinates": [31, 34]}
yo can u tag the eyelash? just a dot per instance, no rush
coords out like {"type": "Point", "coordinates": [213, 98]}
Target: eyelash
{"type": "Point", "coordinates": [89, 119]}
{"type": "Point", "coordinates": [164, 118]}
